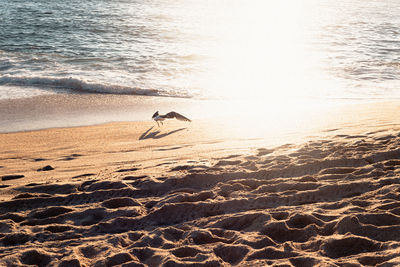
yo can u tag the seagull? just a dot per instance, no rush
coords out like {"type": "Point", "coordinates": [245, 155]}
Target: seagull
{"type": "Point", "coordinates": [170, 115]}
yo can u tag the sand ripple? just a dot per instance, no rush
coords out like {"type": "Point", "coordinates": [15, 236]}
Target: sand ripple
{"type": "Point", "coordinates": [328, 202]}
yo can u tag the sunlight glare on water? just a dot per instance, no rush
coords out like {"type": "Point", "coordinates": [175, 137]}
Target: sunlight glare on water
{"type": "Point", "coordinates": [206, 49]}
{"type": "Point", "coordinates": [262, 52]}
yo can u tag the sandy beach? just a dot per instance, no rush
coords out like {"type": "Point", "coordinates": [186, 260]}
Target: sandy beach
{"type": "Point", "coordinates": [203, 194]}
{"type": "Point", "coordinates": [288, 153]}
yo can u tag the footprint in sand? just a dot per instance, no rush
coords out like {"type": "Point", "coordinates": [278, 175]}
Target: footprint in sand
{"type": "Point", "coordinates": [12, 177]}
{"type": "Point", "coordinates": [83, 175]}
{"type": "Point", "coordinates": [45, 168]}
{"type": "Point", "coordinates": [128, 170]}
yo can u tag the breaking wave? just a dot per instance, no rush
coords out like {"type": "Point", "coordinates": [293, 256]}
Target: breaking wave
{"type": "Point", "coordinates": [78, 85]}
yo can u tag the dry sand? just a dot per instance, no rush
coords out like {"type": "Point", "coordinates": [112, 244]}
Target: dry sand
{"type": "Point", "coordinates": [202, 194]}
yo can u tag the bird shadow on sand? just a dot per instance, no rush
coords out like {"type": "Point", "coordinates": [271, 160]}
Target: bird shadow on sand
{"type": "Point", "coordinates": [157, 133]}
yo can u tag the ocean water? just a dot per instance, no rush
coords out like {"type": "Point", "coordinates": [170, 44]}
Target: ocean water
{"type": "Point", "coordinates": [201, 49]}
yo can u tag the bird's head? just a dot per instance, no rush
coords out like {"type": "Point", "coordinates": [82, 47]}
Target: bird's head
{"type": "Point", "coordinates": [155, 115]}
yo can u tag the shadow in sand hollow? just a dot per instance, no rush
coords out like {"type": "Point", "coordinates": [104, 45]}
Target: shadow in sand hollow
{"type": "Point", "coordinates": [157, 134]}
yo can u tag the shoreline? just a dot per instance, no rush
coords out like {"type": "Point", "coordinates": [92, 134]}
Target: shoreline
{"type": "Point", "coordinates": [75, 110]}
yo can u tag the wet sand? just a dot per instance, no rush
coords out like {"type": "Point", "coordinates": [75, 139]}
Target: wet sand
{"type": "Point", "coordinates": [206, 193]}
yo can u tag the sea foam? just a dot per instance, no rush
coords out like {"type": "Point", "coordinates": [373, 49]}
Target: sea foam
{"type": "Point", "coordinates": [79, 85]}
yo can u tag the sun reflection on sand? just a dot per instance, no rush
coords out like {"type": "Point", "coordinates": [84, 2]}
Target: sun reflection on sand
{"type": "Point", "coordinates": [273, 122]}
{"type": "Point", "coordinates": [269, 118]}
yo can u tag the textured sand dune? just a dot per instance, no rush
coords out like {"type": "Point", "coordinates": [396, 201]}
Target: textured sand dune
{"type": "Point", "coordinates": [331, 202]}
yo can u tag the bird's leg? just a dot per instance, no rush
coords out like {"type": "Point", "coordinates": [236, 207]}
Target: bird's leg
{"type": "Point", "coordinates": [162, 123]}
{"type": "Point", "coordinates": [158, 124]}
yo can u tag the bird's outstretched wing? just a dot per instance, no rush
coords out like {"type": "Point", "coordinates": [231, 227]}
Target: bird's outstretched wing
{"type": "Point", "coordinates": [176, 115]}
